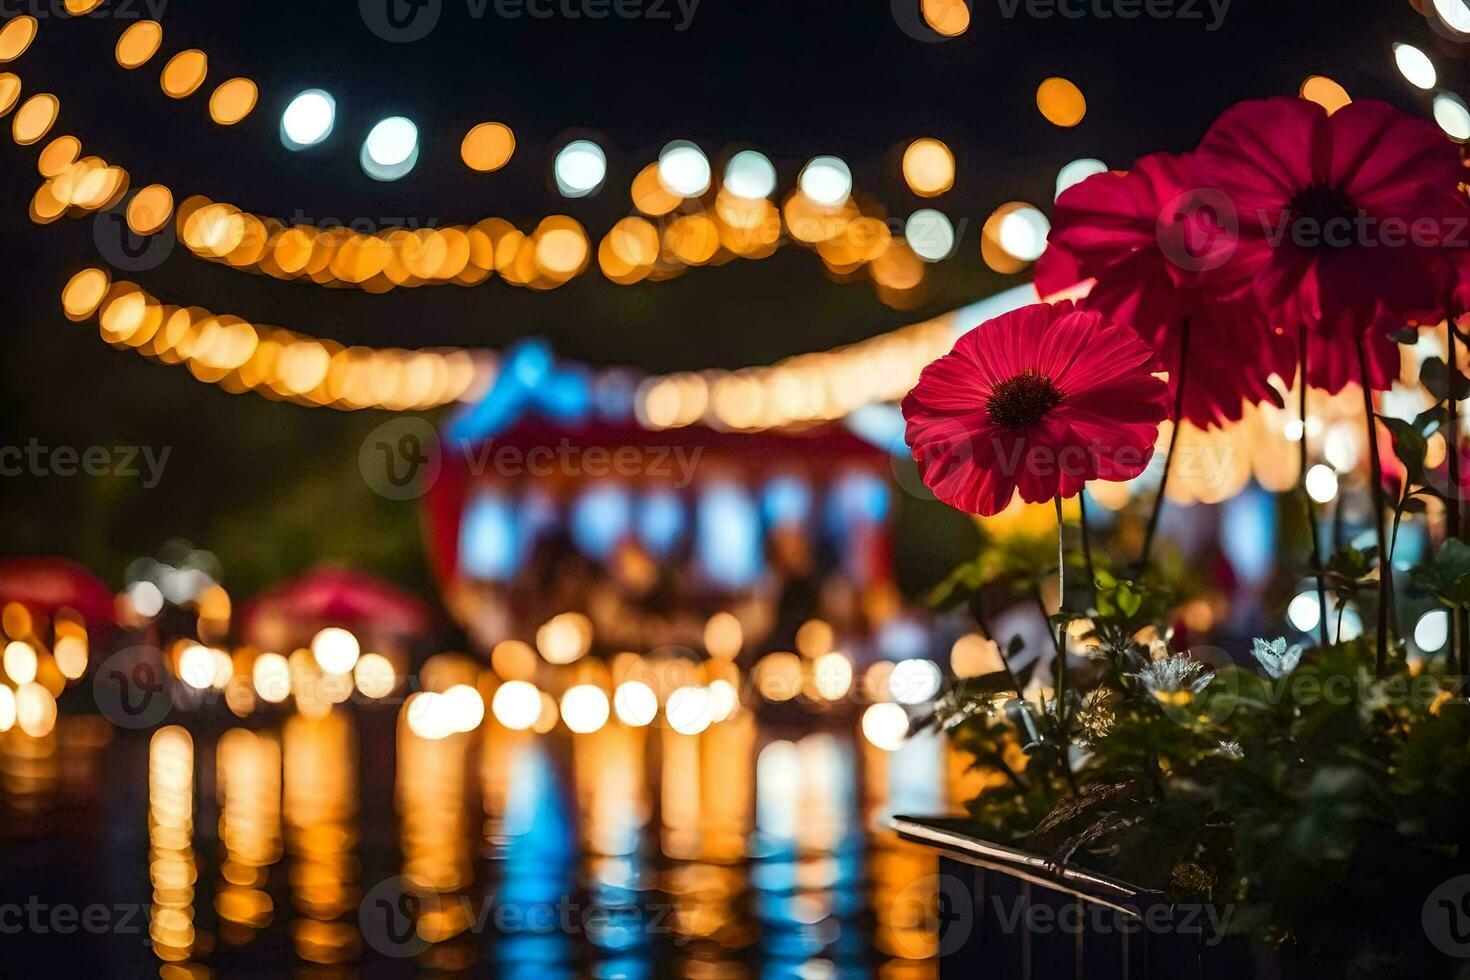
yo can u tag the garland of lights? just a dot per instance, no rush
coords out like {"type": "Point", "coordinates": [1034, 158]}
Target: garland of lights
{"type": "Point", "coordinates": [282, 364]}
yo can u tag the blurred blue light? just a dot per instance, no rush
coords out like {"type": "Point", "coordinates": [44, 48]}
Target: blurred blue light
{"type": "Point", "coordinates": [660, 522]}
{"type": "Point", "coordinates": [902, 639]}
{"type": "Point", "coordinates": [489, 544]}
{"type": "Point", "coordinates": [1248, 534]}
{"type": "Point", "coordinates": [857, 498]}
{"type": "Point", "coordinates": [786, 501]}
{"type": "Point", "coordinates": [601, 517]}
{"type": "Point", "coordinates": [729, 536]}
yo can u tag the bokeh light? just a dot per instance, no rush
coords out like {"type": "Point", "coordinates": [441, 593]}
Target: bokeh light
{"type": "Point", "coordinates": [580, 169]}
{"type": "Point", "coordinates": [184, 73]}
{"type": "Point", "coordinates": [826, 181]}
{"type": "Point", "coordinates": [584, 708]}
{"type": "Point", "coordinates": [488, 147]}
{"type": "Point", "coordinates": [928, 167]}
{"type": "Point", "coordinates": [391, 149]}
{"type": "Point", "coordinates": [516, 705]}
{"type": "Point", "coordinates": [335, 649]}
{"type": "Point", "coordinates": [1324, 91]}
{"type": "Point", "coordinates": [16, 36]}
{"type": "Point", "coordinates": [1061, 102]}
{"type": "Point", "coordinates": [308, 119]}
{"type": "Point", "coordinates": [139, 43]}
{"type": "Point", "coordinates": [750, 175]}
{"type": "Point", "coordinates": [683, 169]}
{"type": "Point", "coordinates": [635, 703]}
{"type": "Point", "coordinates": [886, 725]}
{"type": "Point", "coordinates": [1077, 171]}
{"type": "Point", "coordinates": [1415, 66]}
{"type": "Point", "coordinates": [233, 101]}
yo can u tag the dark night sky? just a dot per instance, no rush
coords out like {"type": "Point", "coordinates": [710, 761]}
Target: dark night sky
{"type": "Point", "coordinates": [273, 487]}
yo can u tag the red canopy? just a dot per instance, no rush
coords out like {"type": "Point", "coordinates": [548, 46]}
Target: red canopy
{"type": "Point", "coordinates": [334, 597]}
{"type": "Point", "coordinates": [44, 584]}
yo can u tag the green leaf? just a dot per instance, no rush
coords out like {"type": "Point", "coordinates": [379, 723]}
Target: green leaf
{"type": "Point", "coordinates": [1437, 377]}
{"type": "Point", "coordinates": [1409, 445]}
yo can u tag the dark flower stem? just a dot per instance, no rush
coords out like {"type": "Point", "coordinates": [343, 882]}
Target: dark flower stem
{"type": "Point", "coordinates": [1459, 618]}
{"type": "Point", "coordinates": [1153, 520]}
{"type": "Point", "coordinates": [1086, 542]}
{"type": "Point", "coordinates": [1316, 562]}
{"type": "Point", "coordinates": [1375, 469]}
{"type": "Point", "coordinates": [1062, 635]}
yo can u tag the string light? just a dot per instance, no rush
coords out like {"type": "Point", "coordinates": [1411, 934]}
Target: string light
{"type": "Point", "coordinates": [391, 149]}
{"type": "Point", "coordinates": [1415, 66]}
{"type": "Point", "coordinates": [750, 175]}
{"type": "Point", "coordinates": [1061, 102]}
{"type": "Point", "coordinates": [826, 181]}
{"type": "Point", "coordinates": [683, 169]}
{"type": "Point", "coordinates": [488, 147]}
{"type": "Point", "coordinates": [928, 167]}
{"type": "Point", "coordinates": [580, 168]}
{"type": "Point", "coordinates": [139, 43]}
{"type": "Point", "coordinates": [184, 73]}
{"type": "Point", "coordinates": [16, 36]}
{"type": "Point", "coordinates": [308, 119]}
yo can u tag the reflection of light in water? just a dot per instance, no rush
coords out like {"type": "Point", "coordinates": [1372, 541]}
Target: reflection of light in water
{"type": "Point", "coordinates": [539, 865]}
{"type": "Point", "coordinates": [171, 868]}
{"type": "Point", "coordinates": [248, 783]}
{"type": "Point", "coordinates": [320, 807]}
{"type": "Point", "coordinates": [434, 824]}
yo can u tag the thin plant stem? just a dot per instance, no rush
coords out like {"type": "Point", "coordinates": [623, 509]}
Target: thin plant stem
{"type": "Point", "coordinates": [1375, 468]}
{"type": "Point", "coordinates": [1062, 635]}
{"type": "Point", "coordinates": [1086, 543]}
{"type": "Point", "coordinates": [1459, 642]}
{"type": "Point", "coordinates": [1153, 520]}
{"type": "Point", "coordinates": [977, 609]}
{"type": "Point", "coordinates": [1316, 562]}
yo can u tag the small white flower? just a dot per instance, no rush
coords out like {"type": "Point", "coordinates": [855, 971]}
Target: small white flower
{"type": "Point", "coordinates": [1231, 750]}
{"type": "Point", "coordinates": [1275, 657]}
{"type": "Point", "coordinates": [1175, 674]}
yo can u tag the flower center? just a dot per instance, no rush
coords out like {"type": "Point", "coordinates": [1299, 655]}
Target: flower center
{"type": "Point", "coordinates": [1022, 400]}
{"type": "Point", "coordinates": [1322, 217]}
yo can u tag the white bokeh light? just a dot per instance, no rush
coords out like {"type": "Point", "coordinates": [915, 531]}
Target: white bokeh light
{"type": "Point", "coordinates": [336, 650]}
{"type": "Point", "coordinates": [391, 149]}
{"type": "Point", "coordinates": [1321, 483]}
{"type": "Point", "coordinates": [689, 711]}
{"type": "Point", "coordinates": [580, 168]}
{"type": "Point", "coordinates": [914, 681]}
{"type": "Point", "coordinates": [308, 119]}
{"type": "Point", "coordinates": [1454, 14]}
{"type": "Point", "coordinates": [886, 725]}
{"type": "Point", "coordinates": [683, 169]}
{"type": "Point", "coordinates": [1077, 171]}
{"type": "Point", "coordinates": [1023, 233]}
{"type": "Point", "coordinates": [1415, 66]}
{"type": "Point", "coordinates": [1304, 612]}
{"type": "Point", "coordinates": [516, 705]}
{"type": "Point", "coordinates": [1452, 115]}
{"type": "Point", "coordinates": [635, 703]}
{"type": "Point", "coordinates": [750, 175]}
{"type": "Point", "coordinates": [930, 234]}
{"type": "Point", "coordinates": [584, 708]}
{"type": "Point", "coordinates": [826, 181]}
{"type": "Point", "coordinates": [1432, 630]}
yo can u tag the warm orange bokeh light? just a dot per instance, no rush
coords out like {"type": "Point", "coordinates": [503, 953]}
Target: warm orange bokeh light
{"type": "Point", "coordinates": [16, 36]}
{"type": "Point", "coordinates": [59, 154]}
{"type": "Point", "coordinates": [83, 294]}
{"type": "Point", "coordinates": [488, 147]}
{"type": "Point", "coordinates": [139, 43]}
{"type": "Point", "coordinates": [184, 73]}
{"type": "Point", "coordinates": [1325, 92]}
{"type": "Point", "coordinates": [928, 167]}
{"type": "Point", "coordinates": [35, 118]}
{"type": "Point", "coordinates": [150, 209]}
{"type": "Point", "coordinates": [1061, 102]}
{"type": "Point", "coordinates": [233, 101]}
{"type": "Point", "coordinates": [948, 17]}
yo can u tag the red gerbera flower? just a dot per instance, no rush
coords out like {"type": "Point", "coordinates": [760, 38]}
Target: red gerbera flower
{"type": "Point", "coordinates": [1039, 400]}
{"type": "Point", "coordinates": [1150, 239]}
{"type": "Point", "coordinates": [1343, 219]}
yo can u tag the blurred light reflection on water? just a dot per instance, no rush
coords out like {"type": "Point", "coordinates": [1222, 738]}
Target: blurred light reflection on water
{"type": "Point", "coordinates": [326, 844]}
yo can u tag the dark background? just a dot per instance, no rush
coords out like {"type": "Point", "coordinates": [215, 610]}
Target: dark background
{"type": "Point", "coordinates": [273, 488]}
